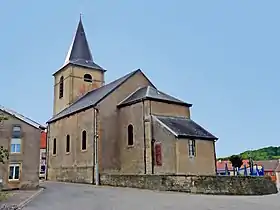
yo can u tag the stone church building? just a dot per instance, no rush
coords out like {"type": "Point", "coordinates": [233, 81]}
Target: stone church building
{"type": "Point", "coordinates": [127, 126]}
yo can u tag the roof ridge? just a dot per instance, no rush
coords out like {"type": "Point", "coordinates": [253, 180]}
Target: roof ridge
{"type": "Point", "coordinates": [20, 116]}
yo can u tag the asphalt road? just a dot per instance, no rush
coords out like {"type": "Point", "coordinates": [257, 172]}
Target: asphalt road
{"type": "Point", "coordinates": [68, 196]}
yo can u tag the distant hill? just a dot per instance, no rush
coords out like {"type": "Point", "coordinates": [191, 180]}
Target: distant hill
{"type": "Point", "coordinates": [266, 153]}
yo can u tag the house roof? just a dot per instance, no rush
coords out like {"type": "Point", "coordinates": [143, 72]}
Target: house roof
{"type": "Point", "coordinates": [93, 97]}
{"type": "Point", "coordinates": [222, 163]}
{"type": "Point", "coordinates": [268, 165]}
{"type": "Point", "coordinates": [79, 52]}
{"type": "Point", "coordinates": [21, 117]}
{"type": "Point", "coordinates": [150, 93]}
{"type": "Point", "coordinates": [183, 127]}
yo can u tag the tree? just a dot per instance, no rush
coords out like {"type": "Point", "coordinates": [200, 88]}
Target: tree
{"type": "Point", "coordinates": [236, 161]}
{"type": "Point", "coordinates": [4, 153]}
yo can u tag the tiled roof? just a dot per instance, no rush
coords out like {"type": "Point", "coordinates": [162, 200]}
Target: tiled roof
{"type": "Point", "coordinates": [222, 163]}
{"type": "Point", "coordinates": [269, 165]}
{"type": "Point", "coordinates": [183, 127]}
{"type": "Point", "coordinates": [79, 52]}
{"type": "Point", "coordinates": [92, 98]}
{"type": "Point", "coordinates": [21, 117]}
{"type": "Point", "coordinates": [151, 93]}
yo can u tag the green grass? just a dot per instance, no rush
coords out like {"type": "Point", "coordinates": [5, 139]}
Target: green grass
{"type": "Point", "coordinates": [4, 196]}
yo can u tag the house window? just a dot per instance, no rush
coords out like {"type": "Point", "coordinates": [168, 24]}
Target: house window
{"type": "Point", "coordinates": [158, 154]}
{"type": "Point", "coordinates": [130, 135]}
{"type": "Point", "coordinates": [192, 152]}
{"type": "Point", "coordinates": [16, 133]}
{"type": "Point", "coordinates": [61, 81]}
{"type": "Point", "coordinates": [43, 169]}
{"type": "Point", "coordinates": [54, 146]}
{"type": "Point", "coordinates": [15, 145]}
{"type": "Point", "coordinates": [67, 144]}
{"type": "Point", "coordinates": [84, 140]}
{"type": "Point", "coordinates": [14, 172]}
{"type": "Point", "coordinates": [87, 78]}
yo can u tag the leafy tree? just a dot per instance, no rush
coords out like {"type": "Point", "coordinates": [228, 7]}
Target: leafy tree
{"type": "Point", "coordinates": [236, 161]}
{"type": "Point", "coordinates": [4, 153]}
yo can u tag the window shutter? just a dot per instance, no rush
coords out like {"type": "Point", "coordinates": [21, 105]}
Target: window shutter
{"type": "Point", "coordinates": [158, 154]}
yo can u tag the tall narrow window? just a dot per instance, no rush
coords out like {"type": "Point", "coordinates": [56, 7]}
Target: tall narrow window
{"type": "Point", "coordinates": [87, 78]}
{"type": "Point", "coordinates": [54, 146]}
{"type": "Point", "coordinates": [16, 140]}
{"type": "Point", "coordinates": [192, 152]}
{"type": "Point", "coordinates": [67, 144]}
{"type": "Point", "coordinates": [130, 135]}
{"type": "Point", "coordinates": [84, 140]}
{"type": "Point", "coordinates": [61, 86]}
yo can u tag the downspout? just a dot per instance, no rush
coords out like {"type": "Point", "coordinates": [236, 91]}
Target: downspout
{"type": "Point", "coordinates": [215, 157]}
{"type": "Point", "coordinates": [152, 140]}
{"type": "Point", "coordinates": [96, 162]}
{"type": "Point", "coordinates": [47, 153]}
{"type": "Point", "coordinates": [144, 134]}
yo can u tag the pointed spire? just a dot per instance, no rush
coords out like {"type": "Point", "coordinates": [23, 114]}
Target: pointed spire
{"type": "Point", "coordinates": [79, 52]}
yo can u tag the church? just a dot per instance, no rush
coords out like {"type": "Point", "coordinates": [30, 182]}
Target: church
{"type": "Point", "coordinates": [127, 126]}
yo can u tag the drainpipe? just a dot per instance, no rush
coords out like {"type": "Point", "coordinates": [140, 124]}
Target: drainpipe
{"type": "Point", "coordinates": [152, 140]}
{"type": "Point", "coordinates": [47, 152]}
{"type": "Point", "coordinates": [144, 134]}
{"type": "Point", "coordinates": [96, 162]}
{"type": "Point", "coordinates": [215, 156]}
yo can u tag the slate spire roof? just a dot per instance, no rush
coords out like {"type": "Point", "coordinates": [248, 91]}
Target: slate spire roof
{"type": "Point", "coordinates": [150, 93]}
{"type": "Point", "coordinates": [79, 52]}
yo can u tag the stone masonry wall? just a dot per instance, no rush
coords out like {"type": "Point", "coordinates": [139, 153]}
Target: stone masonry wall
{"type": "Point", "coordinates": [218, 185]}
{"type": "Point", "coordinates": [72, 174]}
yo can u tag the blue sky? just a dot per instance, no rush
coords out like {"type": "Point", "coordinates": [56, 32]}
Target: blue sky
{"type": "Point", "coordinates": [222, 56]}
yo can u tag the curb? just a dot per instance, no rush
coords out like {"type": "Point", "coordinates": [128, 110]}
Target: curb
{"type": "Point", "coordinates": [25, 202]}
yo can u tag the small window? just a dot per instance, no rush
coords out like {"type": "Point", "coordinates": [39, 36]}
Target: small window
{"type": "Point", "coordinates": [84, 140]}
{"type": "Point", "coordinates": [54, 146]}
{"type": "Point", "coordinates": [16, 133]}
{"type": "Point", "coordinates": [14, 172]}
{"type": "Point", "coordinates": [87, 78]}
{"type": "Point", "coordinates": [61, 86]}
{"type": "Point", "coordinates": [15, 145]}
{"type": "Point", "coordinates": [67, 144]}
{"type": "Point", "coordinates": [192, 152]}
{"type": "Point", "coordinates": [43, 169]}
{"type": "Point", "coordinates": [130, 135]}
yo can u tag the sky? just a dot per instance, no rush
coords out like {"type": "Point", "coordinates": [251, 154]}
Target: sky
{"type": "Point", "coordinates": [221, 56]}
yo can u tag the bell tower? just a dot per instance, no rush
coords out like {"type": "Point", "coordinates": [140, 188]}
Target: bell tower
{"type": "Point", "coordinates": [79, 73]}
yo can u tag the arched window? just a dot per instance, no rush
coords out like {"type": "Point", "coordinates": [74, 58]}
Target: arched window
{"type": "Point", "coordinates": [67, 144]}
{"type": "Point", "coordinates": [61, 87]}
{"type": "Point", "coordinates": [130, 135]}
{"type": "Point", "coordinates": [84, 140]}
{"type": "Point", "coordinates": [54, 146]}
{"type": "Point", "coordinates": [87, 78]}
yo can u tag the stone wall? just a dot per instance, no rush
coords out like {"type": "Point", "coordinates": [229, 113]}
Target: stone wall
{"type": "Point", "coordinates": [218, 185]}
{"type": "Point", "coordinates": [71, 174]}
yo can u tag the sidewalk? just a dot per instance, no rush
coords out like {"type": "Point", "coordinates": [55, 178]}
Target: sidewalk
{"type": "Point", "coordinates": [19, 198]}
